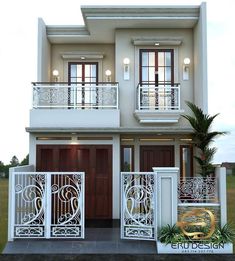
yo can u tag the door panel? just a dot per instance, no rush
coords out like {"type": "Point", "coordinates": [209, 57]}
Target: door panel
{"type": "Point", "coordinates": [103, 181]}
{"type": "Point", "coordinates": [156, 156]}
{"type": "Point", "coordinates": [45, 159]}
{"type": "Point", "coordinates": [95, 161]}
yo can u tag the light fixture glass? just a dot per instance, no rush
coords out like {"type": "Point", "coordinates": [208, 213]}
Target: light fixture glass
{"type": "Point", "coordinates": [186, 61]}
{"type": "Point", "coordinates": [83, 57]}
{"type": "Point", "coordinates": [108, 73]}
{"type": "Point", "coordinates": [157, 44]}
{"type": "Point", "coordinates": [126, 61]}
{"type": "Point", "coordinates": [55, 73]}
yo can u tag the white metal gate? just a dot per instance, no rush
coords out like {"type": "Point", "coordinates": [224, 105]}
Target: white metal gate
{"type": "Point", "coordinates": [47, 204]}
{"type": "Point", "coordinates": [138, 205]}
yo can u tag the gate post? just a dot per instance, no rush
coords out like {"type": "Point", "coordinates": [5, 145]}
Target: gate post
{"type": "Point", "coordinates": [167, 196]}
{"type": "Point", "coordinates": [11, 204]}
{"type": "Point", "coordinates": [220, 174]}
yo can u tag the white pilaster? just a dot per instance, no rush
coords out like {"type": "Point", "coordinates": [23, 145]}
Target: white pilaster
{"type": "Point", "coordinates": [167, 182]}
{"type": "Point", "coordinates": [221, 178]}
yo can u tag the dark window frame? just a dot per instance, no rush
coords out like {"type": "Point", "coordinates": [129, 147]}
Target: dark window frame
{"type": "Point", "coordinates": [156, 63]}
{"type": "Point", "coordinates": [83, 70]}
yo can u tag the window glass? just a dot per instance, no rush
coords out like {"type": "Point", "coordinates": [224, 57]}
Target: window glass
{"type": "Point", "coordinates": [151, 74]}
{"type": "Point", "coordinates": [151, 59]}
{"type": "Point", "coordinates": [144, 74]}
{"type": "Point", "coordinates": [160, 58]}
{"type": "Point", "coordinates": [144, 59]}
{"type": "Point", "coordinates": [167, 74]}
{"type": "Point", "coordinates": [127, 159]}
{"type": "Point", "coordinates": [167, 59]}
{"type": "Point", "coordinates": [161, 74]}
{"type": "Point", "coordinates": [186, 161]}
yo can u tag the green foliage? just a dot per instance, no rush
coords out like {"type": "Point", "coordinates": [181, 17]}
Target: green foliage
{"type": "Point", "coordinates": [25, 161]}
{"type": "Point", "coordinates": [203, 137]}
{"type": "Point", "coordinates": [170, 234]}
{"type": "Point", "coordinates": [233, 171]}
{"type": "Point", "coordinates": [14, 161]}
{"type": "Point", "coordinates": [225, 234]}
{"type": "Point", "coordinates": [173, 234]}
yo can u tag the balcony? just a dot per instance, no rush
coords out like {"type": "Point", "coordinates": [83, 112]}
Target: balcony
{"type": "Point", "coordinates": [158, 104]}
{"type": "Point", "coordinates": [77, 105]}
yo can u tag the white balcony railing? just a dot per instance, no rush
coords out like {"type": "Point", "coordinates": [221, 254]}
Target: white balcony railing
{"type": "Point", "coordinates": [79, 96]}
{"type": "Point", "coordinates": [151, 97]}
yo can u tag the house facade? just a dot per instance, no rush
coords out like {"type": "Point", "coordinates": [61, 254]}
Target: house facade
{"type": "Point", "coordinates": [110, 94]}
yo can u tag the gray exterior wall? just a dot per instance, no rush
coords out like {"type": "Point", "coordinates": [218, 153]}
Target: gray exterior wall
{"type": "Point", "coordinates": [44, 54]}
{"type": "Point", "coordinates": [200, 61]}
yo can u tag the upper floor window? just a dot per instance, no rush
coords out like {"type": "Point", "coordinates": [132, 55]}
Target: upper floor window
{"type": "Point", "coordinates": [85, 72]}
{"type": "Point", "coordinates": [83, 75]}
{"type": "Point", "coordinates": [156, 67]}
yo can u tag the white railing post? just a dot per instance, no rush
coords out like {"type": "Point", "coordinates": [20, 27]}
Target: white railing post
{"type": "Point", "coordinates": [220, 173]}
{"type": "Point", "coordinates": [11, 205]}
{"type": "Point", "coordinates": [117, 94]}
{"type": "Point", "coordinates": [167, 196]}
{"type": "Point", "coordinates": [178, 90]}
{"type": "Point", "coordinates": [47, 202]}
{"type": "Point", "coordinates": [82, 200]}
{"type": "Point", "coordinates": [139, 97]}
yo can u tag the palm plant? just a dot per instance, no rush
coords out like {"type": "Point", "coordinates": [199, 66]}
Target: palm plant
{"type": "Point", "coordinates": [203, 137]}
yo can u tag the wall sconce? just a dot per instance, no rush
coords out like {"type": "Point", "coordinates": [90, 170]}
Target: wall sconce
{"type": "Point", "coordinates": [126, 75]}
{"type": "Point", "coordinates": [55, 74]}
{"type": "Point", "coordinates": [108, 74]}
{"type": "Point", "coordinates": [186, 69]}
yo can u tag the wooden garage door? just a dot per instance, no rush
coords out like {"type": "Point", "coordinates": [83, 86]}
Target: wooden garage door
{"type": "Point", "coordinates": [95, 161]}
{"type": "Point", "coordinates": [156, 156]}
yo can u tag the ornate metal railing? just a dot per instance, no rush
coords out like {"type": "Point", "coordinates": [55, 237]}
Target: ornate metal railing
{"type": "Point", "coordinates": [75, 96]}
{"type": "Point", "coordinates": [47, 205]}
{"type": "Point", "coordinates": [197, 189]}
{"type": "Point", "coordinates": [162, 97]}
{"type": "Point", "coordinates": [138, 205]}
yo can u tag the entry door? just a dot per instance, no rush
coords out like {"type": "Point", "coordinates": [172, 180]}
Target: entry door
{"type": "Point", "coordinates": [156, 156]}
{"type": "Point", "coordinates": [156, 75]}
{"type": "Point", "coordinates": [95, 161]}
{"type": "Point", "coordinates": [83, 75]}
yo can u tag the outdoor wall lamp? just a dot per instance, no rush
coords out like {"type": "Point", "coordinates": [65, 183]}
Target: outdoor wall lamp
{"type": "Point", "coordinates": [126, 63]}
{"type": "Point", "coordinates": [108, 74]}
{"type": "Point", "coordinates": [186, 69]}
{"type": "Point", "coordinates": [55, 74]}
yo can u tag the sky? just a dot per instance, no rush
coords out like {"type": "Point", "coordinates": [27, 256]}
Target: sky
{"type": "Point", "coordinates": [18, 65]}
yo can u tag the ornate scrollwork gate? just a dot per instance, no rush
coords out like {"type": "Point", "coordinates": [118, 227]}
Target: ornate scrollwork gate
{"type": "Point", "coordinates": [138, 205]}
{"type": "Point", "coordinates": [48, 205]}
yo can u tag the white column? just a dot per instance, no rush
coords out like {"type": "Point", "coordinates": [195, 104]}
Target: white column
{"type": "Point", "coordinates": [11, 205]}
{"type": "Point", "coordinates": [47, 206]}
{"type": "Point", "coordinates": [116, 177]}
{"type": "Point", "coordinates": [221, 179]}
{"type": "Point", "coordinates": [167, 199]}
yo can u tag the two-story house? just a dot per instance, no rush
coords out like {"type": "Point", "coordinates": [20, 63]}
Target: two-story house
{"type": "Point", "coordinates": [110, 94]}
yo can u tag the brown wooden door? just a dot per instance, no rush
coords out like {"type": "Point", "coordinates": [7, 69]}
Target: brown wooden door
{"type": "Point", "coordinates": [95, 161]}
{"type": "Point", "coordinates": [156, 156]}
